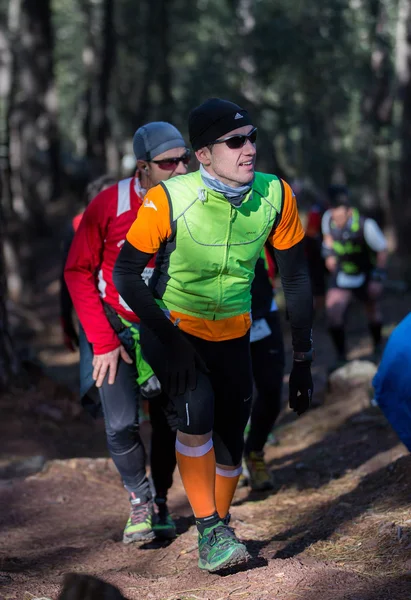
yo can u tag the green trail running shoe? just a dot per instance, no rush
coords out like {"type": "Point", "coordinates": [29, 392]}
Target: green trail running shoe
{"type": "Point", "coordinates": [219, 548]}
{"type": "Point", "coordinates": [259, 477]}
{"type": "Point", "coordinates": [163, 525]}
{"type": "Point", "coordinates": [139, 525]}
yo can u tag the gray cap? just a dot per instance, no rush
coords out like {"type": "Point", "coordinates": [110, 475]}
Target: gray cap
{"type": "Point", "coordinates": [154, 138]}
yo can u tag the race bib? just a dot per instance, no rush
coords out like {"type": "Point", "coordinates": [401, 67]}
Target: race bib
{"type": "Point", "coordinates": [350, 281]}
{"type": "Point", "coordinates": [259, 330]}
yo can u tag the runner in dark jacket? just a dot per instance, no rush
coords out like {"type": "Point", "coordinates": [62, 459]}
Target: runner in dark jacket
{"type": "Point", "coordinates": [267, 357]}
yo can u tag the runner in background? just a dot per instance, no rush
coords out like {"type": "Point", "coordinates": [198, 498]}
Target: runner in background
{"type": "Point", "coordinates": [111, 357]}
{"type": "Point", "coordinates": [313, 248]}
{"type": "Point", "coordinates": [355, 252]}
{"type": "Point", "coordinates": [70, 334]}
{"type": "Point", "coordinates": [267, 358]}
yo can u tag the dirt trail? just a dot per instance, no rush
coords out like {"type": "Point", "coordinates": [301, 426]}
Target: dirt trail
{"type": "Point", "coordinates": [337, 526]}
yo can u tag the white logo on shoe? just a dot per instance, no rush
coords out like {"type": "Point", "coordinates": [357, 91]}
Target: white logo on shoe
{"type": "Point", "coordinates": [238, 116]}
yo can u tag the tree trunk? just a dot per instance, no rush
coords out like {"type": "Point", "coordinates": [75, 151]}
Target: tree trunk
{"type": "Point", "coordinates": [401, 202]}
{"type": "Point", "coordinates": [377, 108]}
{"type": "Point", "coordinates": [164, 68]}
{"type": "Point", "coordinates": [31, 170]}
{"type": "Point", "coordinates": [6, 86]}
{"type": "Point", "coordinates": [98, 61]}
{"type": "Point", "coordinates": [102, 129]}
{"type": "Point", "coordinates": [33, 113]}
{"type": "Point", "coordinates": [8, 359]}
{"type": "Point", "coordinates": [89, 56]}
{"type": "Point", "coordinates": [249, 90]}
{"type": "Point", "coordinates": [145, 103]}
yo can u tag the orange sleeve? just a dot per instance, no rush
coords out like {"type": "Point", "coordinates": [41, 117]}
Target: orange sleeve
{"type": "Point", "coordinates": [289, 230]}
{"type": "Point", "coordinates": [152, 226]}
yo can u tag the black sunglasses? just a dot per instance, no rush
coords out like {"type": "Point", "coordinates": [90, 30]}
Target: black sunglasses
{"type": "Point", "coordinates": [169, 164]}
{"type": "Point", "coordinates": [239, 140]}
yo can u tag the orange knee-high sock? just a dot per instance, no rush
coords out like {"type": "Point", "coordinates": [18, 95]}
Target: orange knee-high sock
{"type": "Point", "coordinates": [198, 471]}
{"type": "Point", "coordinates": [225, 485]}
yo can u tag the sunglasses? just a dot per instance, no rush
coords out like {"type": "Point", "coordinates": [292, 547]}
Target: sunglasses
{"type": "Point", "coordinates": [238, 141]}
{"type": "Point", "coordinates": [169, 164]}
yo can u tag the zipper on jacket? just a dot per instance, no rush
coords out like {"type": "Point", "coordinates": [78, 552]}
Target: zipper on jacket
{"type": "Point", "coordinates": [225, 259]}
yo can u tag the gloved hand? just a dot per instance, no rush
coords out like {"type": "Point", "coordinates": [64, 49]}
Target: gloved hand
{"type": "Point", "coordinates": [70, 336]}
{"type": "Point", "coordinates": [182, 360]}
{"type": "Point", "coordinates": [301, 387]}
{"type": "Point", "coordinates": [151, 387]}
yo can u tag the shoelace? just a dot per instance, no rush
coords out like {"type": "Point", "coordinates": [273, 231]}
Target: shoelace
{"type": "Point", "coordinates": [225, 533]}
{"type": "Point", "coordinates": [139, 513]}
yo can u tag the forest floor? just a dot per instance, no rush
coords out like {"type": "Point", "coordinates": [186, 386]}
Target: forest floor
{"type": "Point", "coordinates": [337, 526]}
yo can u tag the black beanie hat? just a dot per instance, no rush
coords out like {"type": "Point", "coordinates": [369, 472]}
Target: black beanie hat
{"type": "Point", "coordinates": [338, 195]}
{"type": "Point", "coordinates": [214, 118]}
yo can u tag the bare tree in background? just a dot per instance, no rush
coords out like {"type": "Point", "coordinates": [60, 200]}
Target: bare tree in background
{"type": "Point", "coordinates": [251, 94]}
{"type": "Point", "coordinates": [98, 61]}
{"type": "Point", "coordinates": [6, 70]}
{"type": "Point", "coordinates": [30, 140]}
{"type": "Point", "coordinates": [377, 111]}
{"type": "Point", "coordinates": [402, 199]}
{"type": "Point", "coordinates": [8, 359]}
{"type": "Point", "coordinates": [153, 95]}
{"type": "Point", "coordinates": [34, 140]}
{"type": "Point", "coordinates": [378, 97]}
{"type": "Point", "coordinates": [90, 57]}
{"type": "Point", "coordinates": [164, 72]}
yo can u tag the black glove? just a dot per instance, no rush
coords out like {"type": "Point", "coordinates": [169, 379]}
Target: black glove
{"type": "Point", "coordinates": [301, 387]}
{"type": "Point", "coordinates": [181, 363]}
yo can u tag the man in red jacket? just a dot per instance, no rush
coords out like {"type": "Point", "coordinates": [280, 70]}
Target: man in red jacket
{"type": "Point", "coordinates": [70, 335]}
{"type": "Point", "coordinates": [112, 330]}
